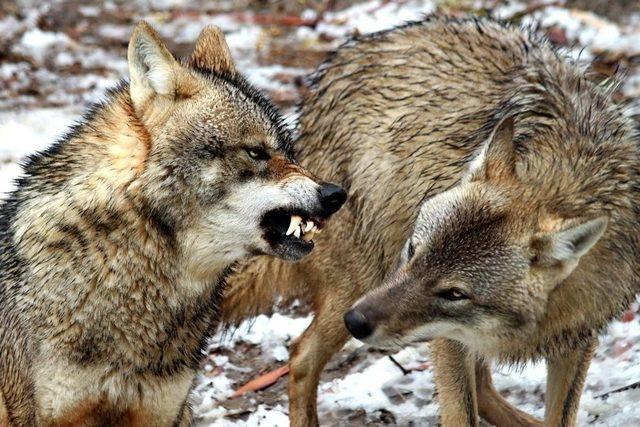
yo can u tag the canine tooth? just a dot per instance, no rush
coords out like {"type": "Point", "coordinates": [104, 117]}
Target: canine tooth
{"type": "Point", "coordinates": [297, 232]}
{"type": "Point", "coordinates": [309, 226]}
{"type": "Point", "coordinates": [295, 222]}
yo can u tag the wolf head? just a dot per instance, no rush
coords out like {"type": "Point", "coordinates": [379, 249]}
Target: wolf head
{"type": "Point", "coordinates": [219, 171]}
{"type": "Point", "coordinates": [481, 260]}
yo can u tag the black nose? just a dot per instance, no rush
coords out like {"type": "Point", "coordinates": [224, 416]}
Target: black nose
{"type": "Point", "coordinates": [332, 197]}
{"type": "Point", "coordinates": [357, 324]}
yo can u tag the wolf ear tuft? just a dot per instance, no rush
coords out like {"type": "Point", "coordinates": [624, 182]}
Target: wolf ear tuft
{"type": "Point", "coordinates": [569, 245]}
{"type": "Point", "coordinates": [152, 68]}
{"type": "Point", "coordinates": [212, 53]}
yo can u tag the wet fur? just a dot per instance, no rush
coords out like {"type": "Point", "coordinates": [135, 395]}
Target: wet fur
{"type": "Point", "coordinates": [114, 247]}
{"type": "Point", "coordinates": [398, 117]}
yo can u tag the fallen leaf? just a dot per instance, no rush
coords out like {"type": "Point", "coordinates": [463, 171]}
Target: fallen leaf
{"type": "Point", "coordinates": [262, 381]}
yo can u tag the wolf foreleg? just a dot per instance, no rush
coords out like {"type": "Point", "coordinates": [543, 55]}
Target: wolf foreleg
{"type": "Point", "coordinates": [565, 379]}
{"type": "Point", "coordinates": [311, 352]}
{"type": "Point", "coordinates": [455, 383]}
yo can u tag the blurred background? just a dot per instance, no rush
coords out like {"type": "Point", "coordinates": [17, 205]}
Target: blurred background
{"type": "Point", "coordinates": [64, 53]}
{"type": "Point", "coordinates": [57, 57]}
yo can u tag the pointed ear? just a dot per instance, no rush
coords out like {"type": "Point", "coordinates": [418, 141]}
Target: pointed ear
{"type": "Point", "coordinates": [569, 245]}
{"type": "Point", "coordinates": [152, 68]}
{"type": "Point", "coordinates": [500, 156]}
{"type": "Point", "coordinates": [212, 53]}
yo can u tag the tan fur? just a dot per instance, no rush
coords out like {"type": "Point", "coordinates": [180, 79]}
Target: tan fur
{"type": "Point", "coordinates": [114, 247]}
{"type": "Point", "coordinates": [399, 118]}
{"type": "Point", "coordinates": [492, 406]}
{"type": "Point", "coordinates": [566, 376]}
{"type": "Point", "coordinates": [4, 417]}
{"type": "Point", "coordinates": [211, 52]}
{"type": "Point", "coordinates": [452, 382]}
{"type": "Point", "coordinates": [95, 394]}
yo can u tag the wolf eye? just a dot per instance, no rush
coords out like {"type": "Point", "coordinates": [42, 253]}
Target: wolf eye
{"type": "Point", "coordinates": [452, 294]}
{"type": "Point", "coordinates": [257, 153]}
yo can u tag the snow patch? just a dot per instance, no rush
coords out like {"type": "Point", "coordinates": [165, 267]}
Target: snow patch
{"type": "Point", "coordinates": [37, 43]}
{"type": "Point", "coordinates": [268, 332]}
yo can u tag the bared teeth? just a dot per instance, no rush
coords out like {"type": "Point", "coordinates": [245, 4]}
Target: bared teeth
{"type": "Point", "coordinates": [294, 225]}
{"type": "Point", "coordinates": [301, 229]}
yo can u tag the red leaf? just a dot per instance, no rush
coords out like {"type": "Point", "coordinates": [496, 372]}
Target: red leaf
{"type": "Point", "coordinates": [262, 381]}
{"type": "Point", "coordinates": [628, 316]}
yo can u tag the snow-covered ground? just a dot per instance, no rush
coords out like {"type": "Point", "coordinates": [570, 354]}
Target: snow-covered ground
{"type": "Point", "coordinates": [51, 69]}
{"type": "Point", "coordinates": [375, 385]}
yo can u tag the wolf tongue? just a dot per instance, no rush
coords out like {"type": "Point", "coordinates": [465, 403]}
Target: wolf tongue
{"type": "Point", "coordinates": [294, 225]}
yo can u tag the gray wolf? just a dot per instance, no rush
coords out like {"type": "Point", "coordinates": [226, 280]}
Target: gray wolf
{"type": "Point", "coordinates": [116, 242]}
{"type": "Point", "coordinates": [401, 118]}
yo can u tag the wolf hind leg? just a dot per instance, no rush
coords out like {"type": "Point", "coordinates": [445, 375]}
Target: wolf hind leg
{"type": "Point", "coordinates": [493, 407]}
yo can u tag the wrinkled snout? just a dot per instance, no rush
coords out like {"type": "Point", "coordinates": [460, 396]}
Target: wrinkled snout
{"type": "Point", "coordinates": [290, 228]}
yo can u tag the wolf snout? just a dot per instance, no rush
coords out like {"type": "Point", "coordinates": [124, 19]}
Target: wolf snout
{"type": "Point", "coordinates": [332, 197]}
{"type": "Point", "coordinates": [358, 324]}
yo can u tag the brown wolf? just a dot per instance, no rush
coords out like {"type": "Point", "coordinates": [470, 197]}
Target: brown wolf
{"type": "Point", "coordinates": [399, 117]}
{"type": "Point", "coordinates": [115, 243]}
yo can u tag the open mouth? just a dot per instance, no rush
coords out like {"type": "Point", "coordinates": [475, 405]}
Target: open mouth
{"type": "Point", "coordinates": [293, 228]}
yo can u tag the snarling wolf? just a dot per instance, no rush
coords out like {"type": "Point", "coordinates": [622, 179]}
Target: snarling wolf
{"type": "Point", "coordinates": [115, 242]}
{"type": "Point", "coordinates": [507, 180]}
